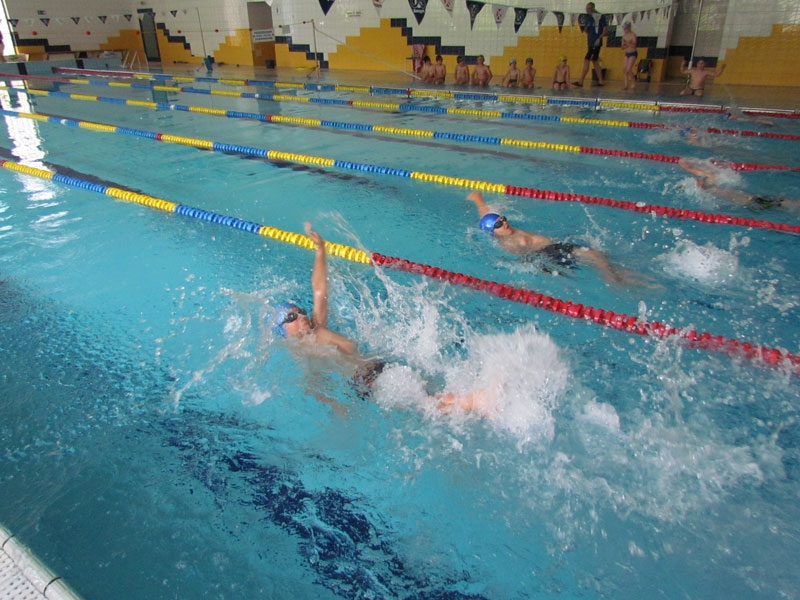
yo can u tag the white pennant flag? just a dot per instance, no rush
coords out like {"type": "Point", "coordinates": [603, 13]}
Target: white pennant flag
{"type": "Point", "coordinates": [499, 13]}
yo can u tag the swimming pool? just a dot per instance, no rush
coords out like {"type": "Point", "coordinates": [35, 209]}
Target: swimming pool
{"type": "Point", "coordinates": [158, 442]}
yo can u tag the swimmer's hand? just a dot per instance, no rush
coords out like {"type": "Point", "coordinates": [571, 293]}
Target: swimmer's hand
{"type": "Point", "coordinates": [313, 235]}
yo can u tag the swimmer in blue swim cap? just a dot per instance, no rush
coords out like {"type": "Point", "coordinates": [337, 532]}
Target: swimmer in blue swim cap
{"type": "Point", "coordinates": [306, 332]}
{"type": "Point", "coordinates": [524, 243]}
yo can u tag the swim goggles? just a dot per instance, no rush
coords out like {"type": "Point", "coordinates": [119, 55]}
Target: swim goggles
{"type": "Point", "coordinates": [292, 316]}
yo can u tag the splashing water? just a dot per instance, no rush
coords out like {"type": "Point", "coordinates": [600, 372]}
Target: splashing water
{"type": "Point", "coordinates": [705, 264]}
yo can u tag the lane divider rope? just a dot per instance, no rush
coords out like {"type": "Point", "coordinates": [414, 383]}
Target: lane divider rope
{"type": "Point", "coordinates": [490, 187]}
{"type": "Point", "coordinates": [328, 87]}
{"type": "Point", "coordinates": [619, 321]}
{"type": "Point", "coordinates": [405, 132]}
{"type": "Point", "coordinates": [407, 107]}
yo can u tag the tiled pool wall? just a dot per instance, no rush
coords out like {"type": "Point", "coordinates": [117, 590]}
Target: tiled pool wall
{"type": "Point", "coordinates": [756, 41]}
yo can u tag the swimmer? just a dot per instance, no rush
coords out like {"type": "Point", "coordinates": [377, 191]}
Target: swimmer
{"type": "Point", "coordinates": [738, 115]}
{"type": "Point", "coordinates": [707, 180]}
{"type": "Point", "coordinates": [524, 243]}
{"type": "Point", "coordinates": [310, 336]}
{"type": "Point", "coordinates": [692, 137]}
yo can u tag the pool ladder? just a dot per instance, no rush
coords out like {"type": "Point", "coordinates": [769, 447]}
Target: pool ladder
{"type": "Point", "coordinates": [132, 59]}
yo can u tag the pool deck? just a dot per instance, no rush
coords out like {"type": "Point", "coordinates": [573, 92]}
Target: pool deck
{"type": "Point", "coordinates": [22, 575]}
{"type": "Point", "coordinates": [718, 94]}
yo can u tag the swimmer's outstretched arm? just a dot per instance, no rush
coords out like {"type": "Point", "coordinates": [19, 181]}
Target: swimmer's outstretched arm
{"type": "Point", "coordinates": [696, 169]}
{"type": "Point", "coordinates": [319, 279]}
{"type": "Point", "coordinates": [477, 198]}
{"type": "Point", "coordinates": [319, 285]}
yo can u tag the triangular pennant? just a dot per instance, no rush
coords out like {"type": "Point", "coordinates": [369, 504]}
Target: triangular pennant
{"type": "Point", "coordinates": [474, 8]}
{"type": "Point", "coordinates": [75, 20]}
{"type": "Point", "coordinates": [174, 13]}
{"type": "Point", "coordinates": [583, 22]}
{"type": "Point", "coordinates": [377, 3]}
{"type": "Point", "coordinates": [499, 12]}
{"type": "Point", "coordinates": [633, 18]}
{"type": "Point", "coordinates": [559, 19]}
{"type": "Point", "coordinates": [448, 5]}
{"type": "Point", "coordinates": [540, 15]}
{"type": "Point", "coordinates": [519, 18]}
{"type": "Point", "coordinates": [326, 5]}
{"type": "Point", "coordinates": [102, 19]}
{"type": "Point", "coordinates": [574, 19]}
{"type": "Point", "coordinates": [13, 22]}
{"type": "Point", "coordinates": [45, 21]}
{"type": "Point", "coordinates": [418, 8]}
{"type": "Point", "coordinates": [641, 15]}
{"type": "Point", "coordinates": [128, 17]}
{"type": "Point", "coordinates": [619, 17]}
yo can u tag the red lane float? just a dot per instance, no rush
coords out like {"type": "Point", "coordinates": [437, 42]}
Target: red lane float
{"type": "Point", "coordinates": [607, 318]}
{"type": "Point", "coordinates": [668, 211]}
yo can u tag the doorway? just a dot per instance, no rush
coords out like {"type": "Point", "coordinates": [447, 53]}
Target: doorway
{"type": "Point", "coordinates": [147, 25]}
{"type": "Point", "coordinates": [259, 15]}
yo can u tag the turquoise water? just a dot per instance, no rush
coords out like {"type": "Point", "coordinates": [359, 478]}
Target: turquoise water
{"type": "Point", "coordinates": [158, 442]}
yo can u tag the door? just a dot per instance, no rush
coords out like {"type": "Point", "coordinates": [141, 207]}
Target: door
{"type": "Point", "coordinates": [147, 25]}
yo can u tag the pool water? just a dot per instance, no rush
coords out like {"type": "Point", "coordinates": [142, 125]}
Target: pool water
{"type": "Point", "coordinates": [159, 442]}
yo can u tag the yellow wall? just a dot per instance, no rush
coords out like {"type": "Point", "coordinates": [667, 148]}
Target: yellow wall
{"type": "Point", "coordinates": [765, 60]}
{"type": "Point", "coordinates": [33, 52]}
{"type": "Point", "coordinates": [385, 48]}
{"type": "Point", "coordinates": [174, 52]}
{"type": "Point", "coordinates": [236, 50]}
{"type": "Point", "coordinates": [128, 40]}
{"type": "Point", "coordinates": [284, 58]}
{"type": "Point", "coordinates": [384, 43]}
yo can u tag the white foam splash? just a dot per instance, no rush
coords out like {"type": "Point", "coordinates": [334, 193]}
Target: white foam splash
{"type": "Point", "coordinates": [517, 381]}
{"type": "Point", "coordinates": [705, 264]}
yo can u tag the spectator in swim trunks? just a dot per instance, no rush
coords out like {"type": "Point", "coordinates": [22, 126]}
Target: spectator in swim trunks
{"type": "Point", "coordinates": [561, 75]}
{"type": "Point", "coordinates": [628, 44]}
{"type": "Point", "coordinates": [524, 243]}
{"type": "Point", "coordinates": [482, 73]}
{"type": "Point", "coordinates": [707, 180]}
{"type": "Point", "coordinates": [462, 72]}
{"type": "Point", "coordinates": [528, 74]}
{"type": "Point", "coordinates": [697, 77]}
{"type": "Point", "coordinates": [310, 337]}
{"type": "Point", "coordinates": [439, 70]}
{"type": "Point", "coordinates": [512, 76]}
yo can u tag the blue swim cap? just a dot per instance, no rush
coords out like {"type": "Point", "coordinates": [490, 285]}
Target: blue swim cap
{"type": "Point", "coordinates": [281, 311]}
{"type": "Point", "coordinates": [488, 220]}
